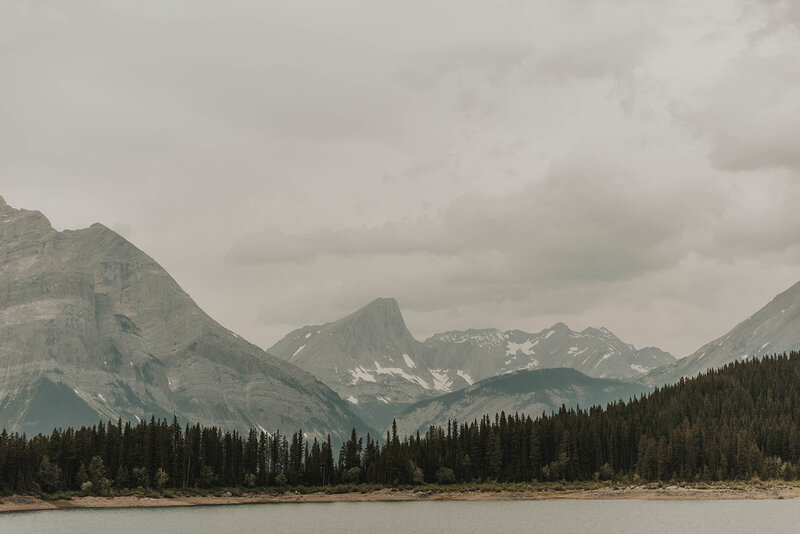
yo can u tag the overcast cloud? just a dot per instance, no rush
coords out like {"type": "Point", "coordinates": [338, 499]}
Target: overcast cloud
{"type": "Point", "coordinates": [615, 163]}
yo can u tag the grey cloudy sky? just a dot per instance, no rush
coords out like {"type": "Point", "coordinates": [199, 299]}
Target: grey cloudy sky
{"type": "Point", "coordinates": [615, 163]}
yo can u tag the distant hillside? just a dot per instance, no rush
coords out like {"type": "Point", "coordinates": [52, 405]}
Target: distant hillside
{"type": "Point", "coordinates": [528, 392]}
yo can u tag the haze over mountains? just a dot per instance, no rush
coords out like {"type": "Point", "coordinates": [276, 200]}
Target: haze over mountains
{"type": "Point", "coordinates": [91, 327]}
{"type": "Point", "coordinates": [372, 360]}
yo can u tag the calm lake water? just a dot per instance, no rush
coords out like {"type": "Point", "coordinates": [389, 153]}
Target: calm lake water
{"type": "Point", "coordinates": [568, 516]}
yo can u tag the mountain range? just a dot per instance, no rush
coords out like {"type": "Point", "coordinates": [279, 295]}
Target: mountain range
{"type": "Point", "coordinates": [594, 352]}
{"type": "Point", "coordinates": [91, 327]}
{"type": "Point", "coordinates": [371, 359]}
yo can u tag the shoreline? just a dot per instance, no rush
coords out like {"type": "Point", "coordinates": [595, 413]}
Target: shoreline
{"type": "Point", "coordinates": [28, 503]}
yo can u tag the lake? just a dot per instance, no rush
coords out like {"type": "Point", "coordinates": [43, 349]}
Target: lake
{"type": "Point", "coordinates": [547, 516]}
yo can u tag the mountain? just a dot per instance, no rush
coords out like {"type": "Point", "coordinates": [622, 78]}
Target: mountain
{"type": "Point", "coordinates": [369, 358]}
{"type": "Point", "coordinates": [528, 392]}
{"type": "Point", "coordinates": [595, 352]}
{"type": "Point", "coordinates": [91, 327]}
{"type": "Point", "coordinates": [372, 360]}
{"type": "Point", "coordinates": [775, 328]}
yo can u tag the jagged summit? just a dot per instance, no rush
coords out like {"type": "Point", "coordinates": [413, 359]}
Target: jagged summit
{"type": "Point", "coordinates": [385, 304]}
{"type": "Point", "coordinates": [370, 358]}
{"type": "Point", "coordinates": [484, 337]}
{"type": "Point", "coordinates": [382, 308]}
{"type": "Point", "coordinates": [380, 315]}
{"type": "Point", "coordinates": [596, 352]}
{"type": "Point", "coordinates": [20, 222]}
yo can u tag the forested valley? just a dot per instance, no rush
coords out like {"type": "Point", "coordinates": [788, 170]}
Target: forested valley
{"type": "Point", "coordinates": [738, 422]}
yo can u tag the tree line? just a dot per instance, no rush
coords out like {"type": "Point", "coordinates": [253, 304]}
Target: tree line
{"type": "Point", "coordinates": [737, 422]}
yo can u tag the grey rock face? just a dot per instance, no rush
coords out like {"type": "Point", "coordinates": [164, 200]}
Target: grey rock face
{"type": "Point", "coordinates": [775, 328]}
{"type": "Point", "coordinates": [525, 392]}
{"type": "Point", "coordinates": [371, 359]}
{"type": "Point", "coordinates": [92, 327]}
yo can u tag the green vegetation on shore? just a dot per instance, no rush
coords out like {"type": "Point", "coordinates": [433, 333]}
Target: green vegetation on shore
{"type": "Point", "coordinates": [739, 423]}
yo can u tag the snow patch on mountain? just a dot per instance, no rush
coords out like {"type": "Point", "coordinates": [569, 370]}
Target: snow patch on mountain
{"type": "Point", "coordinates": [396, 371]}
{"type": "Point", "coordinates": [481, 338]}
{"type": "Point", "coordinates": [525, 347]}
{"type": "Point", "coordinates": [359, 373]}
{"type": "Point", "coordinates": [441, 381]}
{"type": "Point", "coordinates": [468, 379]}
{"type": "Point", "coordinates": [606, 356]}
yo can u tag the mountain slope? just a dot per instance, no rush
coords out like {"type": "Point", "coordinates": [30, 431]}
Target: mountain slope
{"type": "Point", "coordinates": [93, 327]}
{"type": "Point", "coordinates": [594, 352]}
{"type": "Point", "coordinates": [369, 358]}
{"type": "Point", "coordinates": [775, 328]}
{"type": "Point", "coordinates": [529, 392]}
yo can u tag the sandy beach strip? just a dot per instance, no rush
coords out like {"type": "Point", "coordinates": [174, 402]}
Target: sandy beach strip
{"type": "Point", "coordinates": [20, 503]}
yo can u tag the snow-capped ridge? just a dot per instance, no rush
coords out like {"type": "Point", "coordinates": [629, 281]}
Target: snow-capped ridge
{"type": "Point", "coordinates": [370, 355]}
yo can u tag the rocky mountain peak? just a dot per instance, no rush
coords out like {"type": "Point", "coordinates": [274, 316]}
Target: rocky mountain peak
{"type": "Point", "coordinates": [379, 321]}
{"type": "Point", "coordinates": [383, 307]}
{"type": "Point", "coordinates": [93, 327]}
{"type": "Point", "coordinates": [371, 359]}
{"type": "Point", "coordinates": [14, 222]}
{"type": "Point", "coordinates": [484, 337]}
